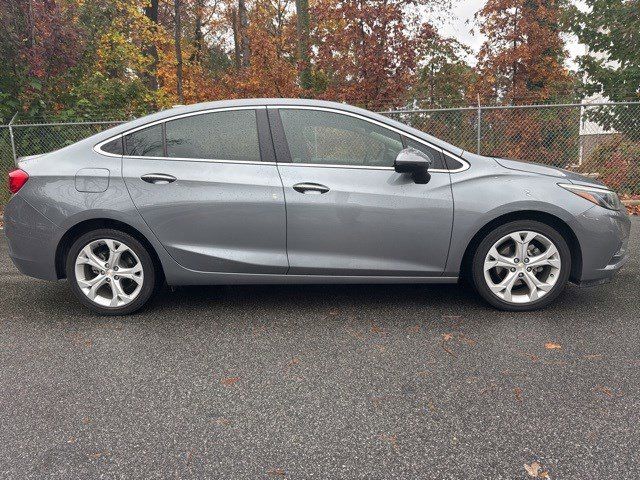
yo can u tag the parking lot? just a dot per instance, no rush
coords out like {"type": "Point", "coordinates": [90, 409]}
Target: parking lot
{"type": "Point", "coordinates": [320, 382]}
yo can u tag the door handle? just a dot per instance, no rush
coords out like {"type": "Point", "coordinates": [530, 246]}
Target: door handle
{"type": "Point", "coordinates": [310, 188]}
{"type": "Point", "coordinates": [158, 178]}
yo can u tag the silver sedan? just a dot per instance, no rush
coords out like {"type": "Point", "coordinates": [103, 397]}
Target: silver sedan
{"type": "Point", "coordinates": [301, 191]}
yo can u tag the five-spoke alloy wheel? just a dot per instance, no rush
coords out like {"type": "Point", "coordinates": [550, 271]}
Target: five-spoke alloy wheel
{"type": "Point", "coordinates": [110, 271]}
{"type": "Point", "coordinates": [521, 265]}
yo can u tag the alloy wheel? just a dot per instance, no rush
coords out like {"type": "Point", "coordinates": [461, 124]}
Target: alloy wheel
{"type": "Point", "coordinates": [109, 273]}
{"type": "Point", "coordinates": [522, 267]}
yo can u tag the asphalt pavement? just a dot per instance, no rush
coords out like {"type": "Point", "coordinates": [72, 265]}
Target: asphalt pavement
{"type": "Point", "coordinates": [320, 382]}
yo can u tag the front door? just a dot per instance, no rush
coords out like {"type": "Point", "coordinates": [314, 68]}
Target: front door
{"type": "Point", "coordinates": [200, 184]}
{"type": "Point", "coordinates": [348, 211]}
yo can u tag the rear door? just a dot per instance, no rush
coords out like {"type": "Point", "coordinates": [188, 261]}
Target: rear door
{"type": "Point", "coordinates": [208, 187]}
{"type": "Point", "coordinates": [348, 211]}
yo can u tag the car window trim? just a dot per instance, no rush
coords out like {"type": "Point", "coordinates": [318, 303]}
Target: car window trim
{"type": "Point", "coordinates": [465, 164]}
{"type": "Point", "coordinates": [97, 148]}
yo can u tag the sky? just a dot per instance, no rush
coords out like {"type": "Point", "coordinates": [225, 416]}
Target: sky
{"type": "Point", "coordinates": [461, 23]}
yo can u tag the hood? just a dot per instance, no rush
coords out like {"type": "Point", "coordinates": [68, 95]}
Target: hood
{"type": "Point", "coordinates": [540, 169]}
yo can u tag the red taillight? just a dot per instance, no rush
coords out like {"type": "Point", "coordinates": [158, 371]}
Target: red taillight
{"type": "Point", "coordinates": [17, 179]}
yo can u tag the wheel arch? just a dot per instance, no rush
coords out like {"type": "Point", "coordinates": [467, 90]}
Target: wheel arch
{"type": "Point", "coordinates": [552, 220]}
{"type": "Point", "coordinates": [88, 225]}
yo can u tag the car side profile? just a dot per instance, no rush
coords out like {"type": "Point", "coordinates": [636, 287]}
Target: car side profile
{"type": "Point", "coordinates": [286, 191]}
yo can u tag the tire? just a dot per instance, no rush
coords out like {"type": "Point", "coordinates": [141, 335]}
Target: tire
{"type": "Point", "coordinates": [131, 282]}
{"type": "Point", "coordinates": [532, 282]}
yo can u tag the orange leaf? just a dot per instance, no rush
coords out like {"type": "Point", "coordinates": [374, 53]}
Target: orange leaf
{"type": "Point", "coordinates": [518, 393]}
{"type": "Point", "coordinates": [552, 346]}
{"type": "Point", "coordinates": [276, 471]}
{"type": "Point", "coordinates": [227, 382]}
{"type": "Point", "coordinates": [605, 390]}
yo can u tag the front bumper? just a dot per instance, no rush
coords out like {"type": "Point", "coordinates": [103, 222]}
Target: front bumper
{"type": "Point", "coordinates": [30, 236]}
{"type": "Point", "coordinates": [604, 238]}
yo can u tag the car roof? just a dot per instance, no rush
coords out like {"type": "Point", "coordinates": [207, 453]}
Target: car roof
{"type": "Point", "coordinates": [260, 102]}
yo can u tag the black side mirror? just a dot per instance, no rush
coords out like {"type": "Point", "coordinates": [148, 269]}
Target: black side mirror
{"type": "Point", "coordinates": [414, 162]}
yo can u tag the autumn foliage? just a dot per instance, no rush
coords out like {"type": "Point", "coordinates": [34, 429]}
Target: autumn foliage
{"type": "Point", "coordinates": [121, 58]}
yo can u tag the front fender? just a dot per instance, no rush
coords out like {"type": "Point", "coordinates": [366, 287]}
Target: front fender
{"type": "Point", "coordinates": [482, 195]}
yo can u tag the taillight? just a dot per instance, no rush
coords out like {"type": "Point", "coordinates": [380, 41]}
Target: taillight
{"type": "Point", "coordinates": [17, 179]}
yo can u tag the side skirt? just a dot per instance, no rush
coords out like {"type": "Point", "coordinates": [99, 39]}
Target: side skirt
{"type": "Point", "coordinates": [205, 278]}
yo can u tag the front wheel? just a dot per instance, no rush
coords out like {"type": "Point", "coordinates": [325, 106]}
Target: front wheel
{"type": "Point", "coordinates": [521, 265]}
{"type": "Point", "coordinates": [110, 272]}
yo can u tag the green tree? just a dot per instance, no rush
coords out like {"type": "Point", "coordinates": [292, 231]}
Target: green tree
{"type": "Point", "coordinates": [443, 76]}
{"type": "Point", "coordinates": [611, 31]}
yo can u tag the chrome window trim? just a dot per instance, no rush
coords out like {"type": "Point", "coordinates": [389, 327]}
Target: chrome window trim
{"type": "Point", "coordinates": [465, 164]}
{"type": "Point", "coordinates": [97, 148]}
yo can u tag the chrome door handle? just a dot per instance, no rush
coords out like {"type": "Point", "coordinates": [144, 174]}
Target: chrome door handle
{"type": "Point", "coordinates": [158, 178]}
{"type": "Point", "coordinates": [310, 188]}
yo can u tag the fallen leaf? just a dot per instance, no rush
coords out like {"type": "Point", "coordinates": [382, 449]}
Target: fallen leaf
{"type": "Point", "coordinates": [445, 338]}
{"type": "Point", "coordinates": [276, 471]}
{"type": "Point", "coordinates": [334, 312]}
{"type": "Point", "coordinates": [432, 407]}
{"type": "Point", "coordinates": [355, 334]}
{"type": "Point", "coordinates": [222, 422]}
{"type": "Point", "coordinates": [605, 390]}
{"type": "Point", "coordinates": [469, 341]}
{"type": "Point", "coordinates": [377, 329]}
{"type": "Point", "coordinates": [552, 346]}
{"type": "Point", "coordinates": [294, 361]}
{"type": "Point", "coordinates": [414, 329]}
{"type": "Point", "coordinates": [593, 357]}
{"type": "Point", "coordinates": [227, 382]}
{"type": "Point", "coordinates": [518, 393]}
{"type": "Point", "coordinates": [380, 348]}
{"type": "Point", "coordinates": [532, 469]}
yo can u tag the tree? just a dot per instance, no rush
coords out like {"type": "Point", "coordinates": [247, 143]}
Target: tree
{"type": "Point", "coordinates": [365, 51]}
{"type": "Point", "coordinates": [522, 59]}
{"type": "Point", "coordinates": [151, 12]}
{"type": "Point", "coordinates": [302, 24]}
{"type": "Point", "coordinates": [444, 76]}
{"type": "Point", "coordinates": [178, 47]}
{"type": "Point", "coordinates": [611, 31]}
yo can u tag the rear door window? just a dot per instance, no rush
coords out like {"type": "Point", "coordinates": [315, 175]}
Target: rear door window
{"type": "Point", "coordinates": [226, 135]}
{"type": "Point", "coordinates": [145, 143]}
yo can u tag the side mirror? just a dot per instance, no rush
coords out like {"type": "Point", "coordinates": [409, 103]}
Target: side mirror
{"type": "Point", "coordinates": [414, 162]}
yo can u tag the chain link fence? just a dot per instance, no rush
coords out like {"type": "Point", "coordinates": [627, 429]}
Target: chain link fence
{"type": "Point", "coordinates": [600, 140]}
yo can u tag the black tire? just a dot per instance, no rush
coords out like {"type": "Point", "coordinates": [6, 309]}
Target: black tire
{"type": "Point", "coordinates": [150, 271]}
{"type": "Point", "coordinates": [477, 267]}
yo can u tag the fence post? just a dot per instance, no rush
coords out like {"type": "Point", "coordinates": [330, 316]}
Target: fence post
{"type": "Point", "coordinates": [479, 125]}
{"type": "Point", "coordinates": [13, 142]}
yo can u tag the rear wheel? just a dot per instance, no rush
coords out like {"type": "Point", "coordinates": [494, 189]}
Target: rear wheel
{"type": "Point", "coordinates": [111, 272]}
{"type": "Point", "coordinates": [522, 265]}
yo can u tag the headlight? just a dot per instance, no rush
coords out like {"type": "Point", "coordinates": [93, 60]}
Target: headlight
{"type": "Point", "coordinates": [600, 196]}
